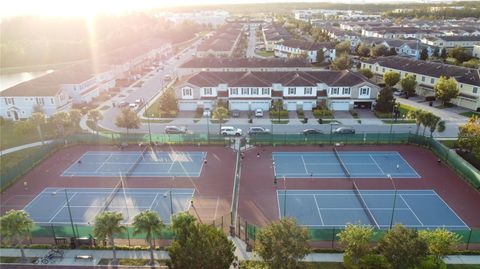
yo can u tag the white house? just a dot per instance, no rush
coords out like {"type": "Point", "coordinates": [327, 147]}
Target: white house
{"type": "Point", "coordinates": [339, 90]}
{"type": "Point", "coordinates": [295, 48]}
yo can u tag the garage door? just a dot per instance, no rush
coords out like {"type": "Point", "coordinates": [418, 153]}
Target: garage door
{"type": "Point", "coordinates": [238, 105]}
{"type": "Point", "coordinates": [340, 106]}
{"type": "Point", "coordinates": [292, 106]}
{"type": "Point", "coordinates": [307, 106]}
{"type": "Point", "coordinates": [265, 105]}
{"type": "Point", "coordinates": [187, 105]}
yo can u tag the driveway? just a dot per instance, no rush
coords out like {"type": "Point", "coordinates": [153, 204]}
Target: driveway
{"type": "Point", "coordinates": [342, 115]}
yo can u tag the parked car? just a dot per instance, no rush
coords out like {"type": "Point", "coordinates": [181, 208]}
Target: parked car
{"type": "Point", "coordinates": [207, 112]}
{"type": "Point", "coordinates": [229, 130]}
{"type": "Point", "coordinates": [175, 130]}
{"type": "Point", "coordinates": [344, 130]}
{"type": "Point", "coordinates": [133, 106]}
{"type": "Point", "coordinates": [258, 112]}
{"type": "Point", "coordinates": [311, 132]}
{"type": "Point", "coordinates": [258, 130]}
{"type": "Point", "coordinates": [235, 113]}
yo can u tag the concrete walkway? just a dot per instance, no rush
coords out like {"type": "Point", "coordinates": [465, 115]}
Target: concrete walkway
{"type": "Point", "coordinates": [445, 114]}
{"type": "Point", "coordinates": [26, 146]}
{"type": "Point", "coordinates": [69, 255]}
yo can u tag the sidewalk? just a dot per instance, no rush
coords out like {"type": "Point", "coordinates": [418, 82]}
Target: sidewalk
{"type": "Point", "coordinates": [31, 145]}
{"type": "Point", "coordinates": [445, 114]}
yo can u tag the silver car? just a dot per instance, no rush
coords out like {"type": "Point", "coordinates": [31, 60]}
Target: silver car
{"type": "Point", "coordinates": [344, 130]}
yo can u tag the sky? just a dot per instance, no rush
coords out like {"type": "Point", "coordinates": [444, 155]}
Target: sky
{"type": "Point", "coordinates": [91, 7]}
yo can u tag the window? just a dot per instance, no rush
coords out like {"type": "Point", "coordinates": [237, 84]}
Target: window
{"type": "Point", "coordinates": [383, 70]}
{"type": "Point", "coordinates": [265, 91]}
{"type": "Point", "coordinates": [292, 90]}
{"type": "Point", "coordinates": [307, 91]}
{"type": "Point", "coordinates": [234, 91]}
{"type": "Point", "coordinates": [475, 90]}
{"type": "Point", "coordinates": [423, 79]}
{"type": "Point", "coordinates": [207, 91]}
{"type": "Point", "coordinates": [187, 92]}
{"type": "Point", "coordinates": [52, 101]}
{"type": "Point", "coordinates": [364, 91]}
{"type": "Point", "coordinates": [244, 91]}
{"type": "Point", "coordinates": [432, 80]}
{"type": "Point", "coordinates": [9, 101]}
{"type": "Point", "coordinates": [39, 101]}
{"type": "Point", "coordinates": [254, 91]}
{"type": "Point", "coordinates": [8, 114]}
{"type": "Point", "coordinates": [335, 91]}
{"type": "Point", "coordinates": [346, 91]}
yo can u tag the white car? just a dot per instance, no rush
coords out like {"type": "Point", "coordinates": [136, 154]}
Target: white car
{"type": "Point", "coordinates": [133, 106]}
{"type": "Point", "coordinates": [258, 112]}
{"type": "Point", "coordinates": [207, 112]}
{"type": "Point", "coordinates": [229, 130]}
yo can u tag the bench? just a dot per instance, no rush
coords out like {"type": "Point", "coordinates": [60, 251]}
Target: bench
{"type": "Point", "coordinates": [83, 257]}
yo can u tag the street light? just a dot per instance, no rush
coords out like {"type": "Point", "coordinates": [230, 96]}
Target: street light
{"type": "Point", "coordinates": [69, 210]}
{"type": "Point", "coordinates": [149, 130]}
{"type": "Point", "coordinates": [394, 199]}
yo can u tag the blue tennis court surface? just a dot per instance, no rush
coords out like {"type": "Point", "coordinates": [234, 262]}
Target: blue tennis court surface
{"type": "Point", "coordinates": [50, 206]}
{"type": "Point", "coordinates": [376, 164]}
{"type": "Point", "coordinates": [136, 164]}
{"type": "Point", "coordinates": [422, 209]}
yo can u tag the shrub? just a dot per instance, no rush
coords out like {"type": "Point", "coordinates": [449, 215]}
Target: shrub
{"type": "Point", "coordinates": [374, 261]}
{"type": "Point", "coordinates": [429, 263]}
{"type": "Point", "coordinates": [275, 114]}
{"type": "Point", "coordinates": [322, 113]}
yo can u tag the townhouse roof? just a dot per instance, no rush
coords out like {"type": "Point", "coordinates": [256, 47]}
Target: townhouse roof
{"type": "Point", "coordinates": [465, 75]}
{"type": "Point", "coordinates": [223, 39]}
{"type": "Point", "coordinates": [459, 38]}
{"type": "Point", "coordinates": [307, 45]}
{"type": "Point", "coordinates": [220, 62]}
{"type": "Point", "coordinates": [267, 79]}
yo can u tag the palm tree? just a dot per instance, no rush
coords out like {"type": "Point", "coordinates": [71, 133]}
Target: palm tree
{"type": "Point", "coordinates": [417, 115]}
{"type": "Point", "coordinates": [220, 113]}
{"type": "Point", "coordinates": [107, 225]}
{"type": "Point", "coordinates": [94, 116]}
{"type": "Point", "coordinates": [38, 118]}
{"type": "Point", "coordinates": [148, 222]}
{"type": "Point", "coordinates": [426, 120]}
{"type": "Point", "coordinates": [436, 124]}
{"type": "Point", "coordinates": [61, 119]}
{"type": "Point", "coordinates": [75, 116]}
{"type": "Point", "coordinates": [16, 226]}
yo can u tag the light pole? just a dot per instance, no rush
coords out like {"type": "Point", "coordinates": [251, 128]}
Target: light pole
{"type": "Point", "coordinates": [394, 199]}
{"type": "Point", "coordinates": [285, 197]}
{"type": "Point", "coordinates": [149, 130]}
{"type": "Point", "coordinates": [69, 210]}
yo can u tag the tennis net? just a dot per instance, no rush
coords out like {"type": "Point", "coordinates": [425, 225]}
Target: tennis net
{"type": "Point", "coordinates": [364, 205]}
{"type": "Point", "coordinates": [344, 168]}
{"type": "Point", "coordinates": [112, 195]}
{"type": "Point", "coordinates": [135, 164]}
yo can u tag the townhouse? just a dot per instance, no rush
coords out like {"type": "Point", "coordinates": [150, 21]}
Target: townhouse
{"type": "Point", "coordinates": [339, 90]}
{"type": "Point", "coordinates": [399, 32]}
{"type": "Point", "coordinates": [428, 73]}
{"type": "Point", "coordinates": [212, 64]}
{"type": "Point", "coordinates": [295, 48]}
{"type": "Point", "coordinates": [274, 33]}
{"type": "Point", "coordinates": [449, 42]}
{"type": "Point", "coordinates": [223, 42]}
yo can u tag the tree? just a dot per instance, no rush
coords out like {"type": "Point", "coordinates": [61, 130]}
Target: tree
{"type": "Point", "coordinates": [38, 119]}
{"type": "Point", "coordinates": [366, 72]}
{"type": "Point", "coordinates": [469, 136]}
{"type": "Point", "coordinates": [342, 62]}
{"type": "Point", "coordinates": [440, 242]}
{"type": "Point", "coordinates": [61, 119]}
{"type": "Point", "coordinates": [424, 54]}
{"type": "Point", "coordinates": [402, 247]}
{"type": "Point", "coordinates": [460, 54]}
{"type": "Point", "coordinates": [446, 89]}
{"type": "Point", "coordinates": [75, 117]}
{"type": "Point", "coordinates": [168, 103]}
{"type": "Point", "coordinates": [128, 119]}
{"type": "Point", "coordinates": [220, 113]}
{"type": "Point", "coordinates": [282, 244]}
{"type": "Point", "coordinates": [418, 116]}
{"type": "Point", "coordinates": [378, 51]}
{"type": "Point", "coordinates": [436, 52]}
{"type": "Point", "coordinates": [434, 123]}
{"type": "Point", "coordinates": [363, 50]}
{"type": "Point", "coordinates": [15, 226]}
{"type": "Point", "coordinates": [385, 101]}
{"type": "Point", "coordinates": [93, 117]}
{"type": "Point", "coordinates": [197, 245]}
{"type": "Point", "coordinates": [107, 225]}
{"type": "Point", "coordinates": [149, 223]}
{"type": "Point", "coordinates": [391, 78]}
{"type": "Point", "coordinates": [355, 241]}
{"type": "Point", "coordinates": [443, 54]}
{"type": "Point", "coordinates": [320, 56]}
{"type": "Point", "coordinates": [408, 85]}
{"type": "Point", "coordinates": [342, 48]}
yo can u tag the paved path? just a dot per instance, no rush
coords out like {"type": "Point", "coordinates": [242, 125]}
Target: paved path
{"type": "Point", "coordinates": [442, 113]}
{"type": "Point", "coordinates": [26, 146]}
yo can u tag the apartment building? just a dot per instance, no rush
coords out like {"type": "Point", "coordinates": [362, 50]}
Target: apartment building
{"type": "Point", "coordinates": [449, 42]}
{"type": "Point", "coordinates": [339, 90]}
{"type": "Point", "coordinates": [295, 48]}
{"type": "Point", "coordinates": [428, 73]}
{"type": "Point", "coordinates": [223, 42]}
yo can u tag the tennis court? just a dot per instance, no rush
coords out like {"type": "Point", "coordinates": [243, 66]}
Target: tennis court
{"type": "Point", "coordinates": [422, 209]}
{"type": "Point", "coordinates": [50, 207]}
{"type": "Point", "coordinates": [137, 164]}
{"type": "Point", "coordinates": [377, 164]}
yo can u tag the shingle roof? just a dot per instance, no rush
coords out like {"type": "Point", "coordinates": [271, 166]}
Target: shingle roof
{"type": "Point", "coordinates": [460, 38]}
{"type": "Point", "coordinates": [266, 79]}
{"type": "Point", "coordinates": [307, 45]}
{"type": "Point", "coordinates": [213, 62]}
{"type": "Point", "coordinates": [465, 75]}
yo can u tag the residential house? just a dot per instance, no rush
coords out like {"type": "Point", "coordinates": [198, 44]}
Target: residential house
{"type": "Point", "coordinates": [273, 34]}
{"type": "Point", "coordinates": [428, 73]}
{"type": "Point", "coordinates": [339, 90]}
{"type": "Point", "coordinates": [297, 48]}
{"type": "Point", "coordinates": [449, 42]}
{"type": "Point", "coordinates": [223, 42]}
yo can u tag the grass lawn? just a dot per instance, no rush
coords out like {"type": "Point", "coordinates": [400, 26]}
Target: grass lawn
{"type": "Point", "coordinates": [9, 137]}
{"type": "Point", "coordinates": [449, 143]}
{"type": "Point", "coordinates": [468, 114]}
{"type": "Point", "coordinates": [276, 121]}
{"type": "Point", "coordinates": [264, 53]}
{"type": "Point", "coordinates": [157, 120]}
{"type": "Point", "coordinates": [11, 160]}
{"type": "Point", "coordinates": [131, 262]}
